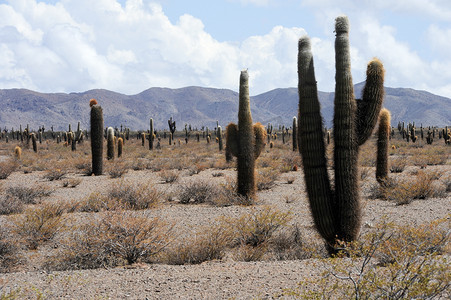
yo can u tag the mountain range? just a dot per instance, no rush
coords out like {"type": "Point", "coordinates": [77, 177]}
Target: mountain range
{"type": "Point", "coordinates": [197, 106]}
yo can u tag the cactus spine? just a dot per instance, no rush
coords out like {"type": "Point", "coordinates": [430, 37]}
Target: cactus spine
{"type": "Point", "coordinates": [151, 138]}
{"type": "Point", "coordinates": [336, 213]}
{"type": "Point", "coordinates": [96, 138]}
{"type": "Point", "coordinates": [245, 141]}
{"type": "Point", "coordinates": [382, 146]}
{"type": "Point", "coordinates": [110, 143]}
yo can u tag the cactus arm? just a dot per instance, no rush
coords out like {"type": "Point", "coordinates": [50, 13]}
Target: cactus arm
{"type": "Point", "coordinates": [232, 139]}
{"type": "Point", "coordinates": [372, 97]}
{"type": "Point", "coordinates": [311, 145]}
{"type": "Point", "coordinates": [260, 137]}
{"type": "Point", "coordinates": [382, 146]}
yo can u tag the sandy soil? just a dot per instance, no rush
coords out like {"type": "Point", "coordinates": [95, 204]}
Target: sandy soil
{"type": "Point", "coordinates": [225, 279]}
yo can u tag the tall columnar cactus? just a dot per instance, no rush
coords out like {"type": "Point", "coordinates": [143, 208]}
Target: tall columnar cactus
{"type": "Point", "coordinates": [120, 145]}
{"type": "Point", "coordinates": [383, 137]}
{"type": "Point", "coordinates": [336, 212]}
{"type": "Point", "coordinates": [33, 140]}
{"type": "Point", "coordinates": [151, 138]}
{"type": "Point", "coordinates": [110, 143]}
{"type": "Point", "coordinates": [245, 141]}
{"type": "Point", "coordinates": [295, 134]}
{"type": "Point", "coordinates": [96, 137]}
{"type": "Point", "coordinates": [219, 134]}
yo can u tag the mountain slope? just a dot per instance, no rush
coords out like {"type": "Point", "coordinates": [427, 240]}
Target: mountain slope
{"type": "Point", "coordinates": [196, 106]}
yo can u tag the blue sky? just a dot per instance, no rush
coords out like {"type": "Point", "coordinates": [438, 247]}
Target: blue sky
{"type": "Point", "coordinates": [131, 45]}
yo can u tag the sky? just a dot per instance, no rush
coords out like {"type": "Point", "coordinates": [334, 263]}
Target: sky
{"type": "Point", "coordinates": [129, 46]}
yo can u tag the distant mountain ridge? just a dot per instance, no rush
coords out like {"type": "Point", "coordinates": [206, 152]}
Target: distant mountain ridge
{"type": "Point", "coordinates": [197, 106]}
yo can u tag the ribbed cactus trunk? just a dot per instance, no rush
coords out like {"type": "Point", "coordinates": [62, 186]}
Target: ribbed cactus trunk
{"type": "Point", "coordinates": [219, 134]}
{"type": "Point", "coordinates": [151, 135]}
{"type": "Point", "coordinates": [336, 213]}
{"type": "Point", "coordinates": [97, 139]}
{"type": "Point", "coordinates": [120, 145]}
{"type": "Point", "coordinates": [246, 140]}
{"type": "Point", "coordinates": [383, 136]}
{"type": "Point", "coordinates": [110, 143]}
{"type": "Point", "coordinates": [33, 140]}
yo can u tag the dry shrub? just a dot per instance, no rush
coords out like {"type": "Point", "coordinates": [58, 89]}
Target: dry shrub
{"type": "Point", "coordinates": [207, 244]}
{"type": "Point", "coordinates": [39, 224]}
{"type": "Point", "coordinates": [27, 194]}
{"type": "Point", "coordinates": [71, 182]}
{"type": "Point", "coordinates": [390, 262]}
{"type": "Point", "coordinates": [134, 196]}
{"type": "Point", "coordinates": [397, 165]}
{"type": "Point", "coordinates": [404, 191]}
{"type": "Point", "coordinates": [116, 238]}
{"type": "Point", "coordinates": [253, 232]}
{"type": "Point", "coordinates": [197, 192]}
{"type": "Point", "coordinates": [290, 244]}
{"type": "Point", "coordinates": [169, 176]}
{"type": "Point", "coordinates": [9, 251]}
{"type": "Point", "coordinates": [95, 202]}
{"type": "Point", "coordinates": [10, 205]}
{"type": "Point", "coordinates": [7, 167]}
{"type": "Point", "coordinates": [55, 174]}
{"type": "Point", "coordinates": [117, 169]}
{"type": "Point", "coordinates": [266, 178]}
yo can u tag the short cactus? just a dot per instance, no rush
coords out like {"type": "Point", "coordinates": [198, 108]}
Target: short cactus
{"type": "Point", "coordinates": [96, 137]}
{"type": "Point", "coordinates": [110, 143]}
{"type": "Point", "coordinates": [120, 145]}
{"type": "Point", "coordinates": [295, 134]}
{"type": "Point", "coordinates": [18, 152]}
{"type": "Point", "coordinates": [33, 140]}
{"type": "Point", "coordinates": [336, 212]}
{"type": "Point", "coordinates": [219, 134]}
{"type": "Point", "coordinates": [382, 146]}
{"type": "Point", "coordinates": [245, 141]}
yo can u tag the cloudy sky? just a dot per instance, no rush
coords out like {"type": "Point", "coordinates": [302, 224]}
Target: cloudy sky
{"type": "Point", "coordinates": [131, 45]}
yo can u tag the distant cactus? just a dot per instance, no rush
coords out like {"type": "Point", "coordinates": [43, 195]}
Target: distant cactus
{"type": "Point", "coordinates": [336, 212]}
{"type": "Point", "coordinates": [382, 146]}
{"type": "Point", "coordinates": [429, 137]}
{"type": "Point", "coordinates": [33, 140]}
{"type": "Point", "coordinates": [110, 143]}
{"type": "Point", "coordinates": [171, 124]}
{"type": "Point", "coordinates": [295, 134]}
{"type": "Point", "coordinates": [219, 134]}
{"type": "Point", "coordinates": [96, 138]}
{"type": "Point", "coordinates": [143, 139]}
{"type": "Point", "coordinates": [151, 136]}
{"type": "Point", "coordinates": [120, 145]}
{"type": "Point", "coordinates": [245, 141]}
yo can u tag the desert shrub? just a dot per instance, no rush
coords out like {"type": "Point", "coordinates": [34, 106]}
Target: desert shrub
{"type": "Point", "coordinates": [365, 172]}
{"type": "Point", "coordinates": [289, 244]}
{"type": "Point", "coordinates": [95, 202]}
{"type": "Point", "coordinates": [227, 195]}
{"type": "Point", "coordinates": [55, 174]}
{"type": "Point", "coordinates": [404, 191]}
{"type": "Point", "coordinates": [252, 232]}
{"type": "Point", "coordinates": [28, 194]}
{"type": "Point", "coordinates": [207, 244]}
{"type": "Point", "coordinates": [117, 169]}
{"type": "Point", "coordinates": [169, 176]}
{"type": "Point", "coordinates": [134, 196]}
{"type": "Point", "coordinates": [116, 238]}
{"type": "Point", "coordinates": [397, 165]}
{"type": "Point", "coordinates": [10, 205]}
{"type": "Point", "coordinates": [391, 262]}
{"type": "Point", "coordinates": [9, 251]}
{"type": "Point", "coordinates": [71, 182]}
{"type": "Point", "coordinates": [39, 224]}
{"type": "Point", "coordinates": [197, 192]}
{"type": "Point", "coordinates": [266, 178]}
{"type": "Point", "coordinates": [7, 167]}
